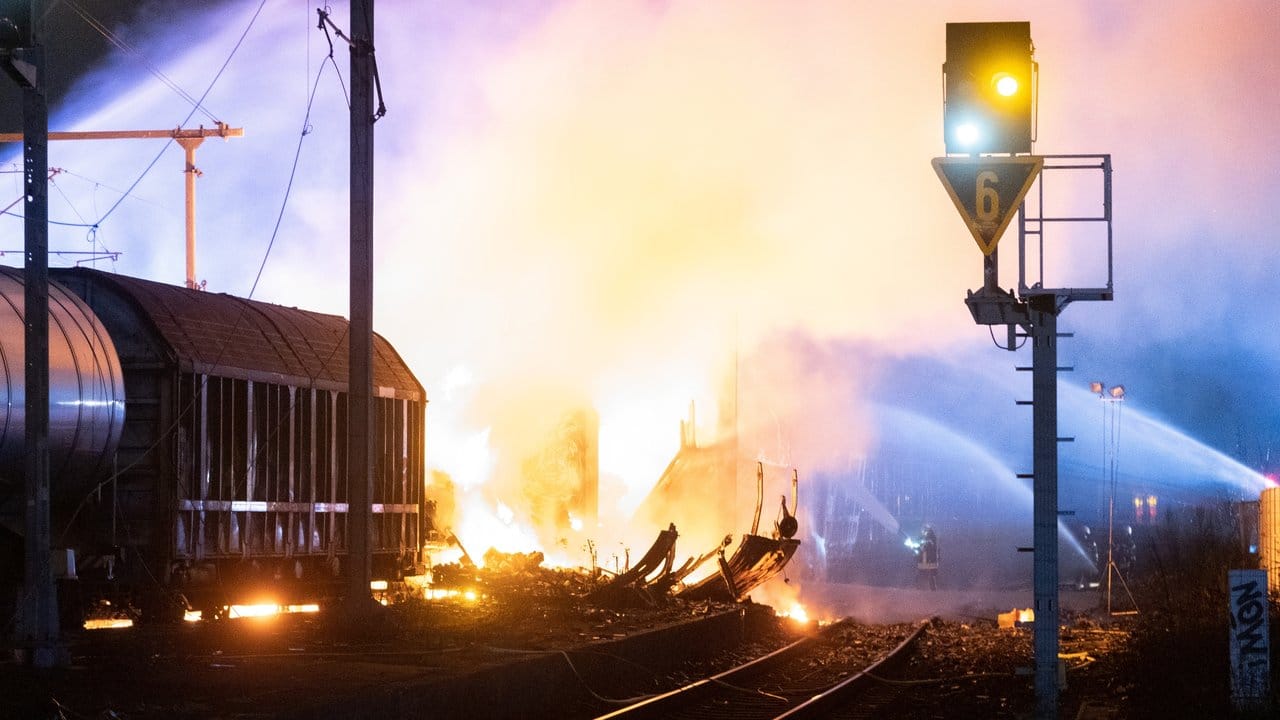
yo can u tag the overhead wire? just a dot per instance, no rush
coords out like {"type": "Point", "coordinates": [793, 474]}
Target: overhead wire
{"type": "Point", "coordinates": [263, 447]}
{"type": "Point", "coordinates": [198, 105]}
{"type": "Point", "coordinates": [293, 171]}
{"type": "Point", "coordinates": [116, 474]}
{"type": "Point", "coordinates": [199, 102]}
{"type": "Point", "coordinates": [324, 24]}
{"type": "Point", "coordinates": [120, 43]}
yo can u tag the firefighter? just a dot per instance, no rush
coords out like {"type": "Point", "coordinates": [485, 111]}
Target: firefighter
{"type": "Point", "coordinates": [927, 557]}
{"type": "Point", "coordinates": [1088, 576]}
{"type": "Point", "coordinates": [1126, 552]}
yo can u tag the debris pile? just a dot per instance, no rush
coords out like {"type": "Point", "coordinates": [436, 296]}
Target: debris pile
{"type": "Point", "coordinates": [986, 669]}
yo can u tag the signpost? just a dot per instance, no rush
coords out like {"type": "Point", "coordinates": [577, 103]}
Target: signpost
{"type": "Point", "coordinates": [1250, 648]}
{"type": "Point", "coordinates": [988, 191]}
{"type": "Point", "coordinates": [990, 79]}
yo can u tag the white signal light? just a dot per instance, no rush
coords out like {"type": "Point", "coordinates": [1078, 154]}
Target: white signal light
{"type": "Point", "coordinates": [967, 133]}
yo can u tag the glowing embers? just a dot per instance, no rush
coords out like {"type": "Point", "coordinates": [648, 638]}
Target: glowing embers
{"type": "Point", "coordinates": [443, 583]}
{"type": "Point", "coordinates": [107, 623]}
{"type": "Point", "coordinates": [262, 610]}
{"type": "Point", "coordinates": [102, 615]}
{"type": "Point", "coordinates": [467, 596]}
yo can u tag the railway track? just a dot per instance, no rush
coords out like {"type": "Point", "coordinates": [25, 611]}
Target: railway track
{"type": "Point", "coordinates": [818, 676]}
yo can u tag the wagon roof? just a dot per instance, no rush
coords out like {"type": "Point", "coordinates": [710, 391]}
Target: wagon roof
{"type": "Point", "coordinates": [225, 335]}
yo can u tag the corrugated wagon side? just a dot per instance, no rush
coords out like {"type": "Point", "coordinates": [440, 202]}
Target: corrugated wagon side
{"type": "Point", "coordinates": [230, 477]}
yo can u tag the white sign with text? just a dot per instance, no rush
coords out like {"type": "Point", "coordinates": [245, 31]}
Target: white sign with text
{"type": "Point", "coordinates": [1250, 643]}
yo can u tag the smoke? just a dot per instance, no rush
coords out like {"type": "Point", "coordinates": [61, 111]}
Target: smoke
{"type": "Point", "coordinates": [586, 204]}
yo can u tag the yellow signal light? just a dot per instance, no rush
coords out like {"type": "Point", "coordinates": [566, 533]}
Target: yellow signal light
{"type": "Point", "coordinates": [1005, 84]}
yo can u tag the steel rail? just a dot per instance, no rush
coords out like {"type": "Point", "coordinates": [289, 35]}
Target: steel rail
{"type": "Point", "coordinates": [737, 692]}
{"type": "Point", "coordinates": [846, 691]}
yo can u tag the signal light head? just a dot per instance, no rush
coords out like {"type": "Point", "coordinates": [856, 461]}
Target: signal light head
{"type": "Point", "coordinates": [989, 73]}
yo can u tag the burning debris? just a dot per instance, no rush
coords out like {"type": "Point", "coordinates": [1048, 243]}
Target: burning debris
{"type": "Point", "coordinates": [1015, 618]}
{"type": "Point", "coordinates": [568, 461]}
{"type": "Point", "coordinates": [648, 583]}
{"type": "Point", "coordinates": [756, 560]}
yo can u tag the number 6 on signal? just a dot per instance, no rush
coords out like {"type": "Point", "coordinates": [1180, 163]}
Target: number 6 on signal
{"type": "Point", "coordinates": [987, 201]}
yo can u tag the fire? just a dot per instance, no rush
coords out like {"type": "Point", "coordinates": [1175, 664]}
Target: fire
{"type": "Point", "coordinates": [1015, 617]}
{"type": "Point", "coordinates": [796, 613]}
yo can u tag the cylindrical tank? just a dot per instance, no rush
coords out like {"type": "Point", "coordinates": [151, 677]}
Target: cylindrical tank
{"type": "Point", "coordinates": [1269, 536]}
{"type": "Point", "coordinates": [86, 390]}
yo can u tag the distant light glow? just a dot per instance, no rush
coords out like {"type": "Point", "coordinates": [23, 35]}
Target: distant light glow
{"type": "Point", "coordinates": [378, 585]}
{"type": "Point", "coordinates": [261, 610]}
{"type": "Point", "coordinates": [193, 616]}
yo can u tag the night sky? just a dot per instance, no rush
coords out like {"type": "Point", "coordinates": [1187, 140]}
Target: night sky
{"type": "Point", "coordinates": [583, 202]}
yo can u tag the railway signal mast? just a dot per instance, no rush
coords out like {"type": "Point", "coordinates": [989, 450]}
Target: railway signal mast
{"type": "Point", "coordinates": [989, 113]}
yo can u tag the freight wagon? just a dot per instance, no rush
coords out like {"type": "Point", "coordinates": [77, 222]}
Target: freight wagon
{"type": "Point", "coordinates": [198, 447]}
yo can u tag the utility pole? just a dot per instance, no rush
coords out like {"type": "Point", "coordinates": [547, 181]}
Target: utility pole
{"type": "Point", "coordinates": [23, 60]}
{"type": "Point", "coordinates": [188, 139]}
{"type": "Point", "coordinates": [359, 599]}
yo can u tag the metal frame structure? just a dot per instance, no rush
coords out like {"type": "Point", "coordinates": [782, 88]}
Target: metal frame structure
{"type": "Point", "coordinates": [1035, 226]}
